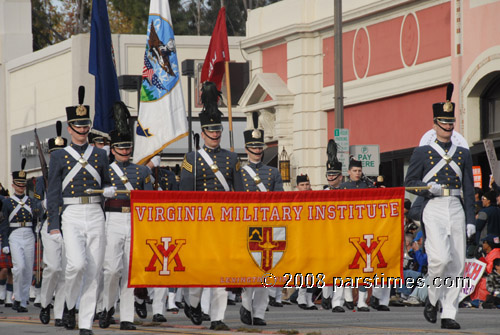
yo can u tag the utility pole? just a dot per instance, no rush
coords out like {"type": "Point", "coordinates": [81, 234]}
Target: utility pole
{"type": "Point", "coordinates": [339, 77]}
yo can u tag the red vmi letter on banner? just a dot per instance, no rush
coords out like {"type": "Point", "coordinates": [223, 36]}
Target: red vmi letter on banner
{"type": "Point", "coordinates": [218, 52]}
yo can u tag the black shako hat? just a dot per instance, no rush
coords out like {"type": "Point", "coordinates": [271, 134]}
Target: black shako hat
{"type": "Point", "coordinates": [301, 178]}
{"type": "Point", "coordinates": [121, 137]}
{"type": "Point", "coordinates": [354, 163]}
{"type": "Point", "coordinates": [444, 112]}
{"type": "Point", "coordinates": [79, 115]}
{"type": "Point", "coordinates": [210, 116]}
{"type": "Point", "coordinates": [254, 137]}
{"type": "Point", "coordinates": [19, 177]}
{"type": "Point", "coordinates": [333, 165]}
{"type": "Point", "coordinates": [57, 142]}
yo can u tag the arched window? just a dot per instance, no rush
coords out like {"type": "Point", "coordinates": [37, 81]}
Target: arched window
{"type": "Point", "coordinates": [490, 110]}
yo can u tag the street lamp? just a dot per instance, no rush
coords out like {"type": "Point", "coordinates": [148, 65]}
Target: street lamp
{"type": "Point", "coordinates": [284, 164]}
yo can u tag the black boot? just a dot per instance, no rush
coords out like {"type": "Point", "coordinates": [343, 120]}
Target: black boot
{"type": "Point", "coordinates": [69, 318]}
{"type": "Point", "coordinates": [196, 315]}
{"type": "Point", "coordinates": [45, 315]}
{"type": "Point", "coordinates": [449, 324]}
{"type": "Point", "coordinates": [105, 318]}
{"type": "Point", "coordinates": [430, 311]}
{"type": "Point", "coordinates": [245, 316]}
{"type": "Point", "coordinates": [141, 309]}
{"type": "Point", "coordinates": [125, 325]}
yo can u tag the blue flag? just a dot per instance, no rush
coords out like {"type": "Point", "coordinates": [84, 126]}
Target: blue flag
{"type": "Point", "coordinates": [102, 66]}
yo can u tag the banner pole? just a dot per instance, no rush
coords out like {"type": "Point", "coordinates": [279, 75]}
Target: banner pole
{"type": "Point", "coordinates": [229, 111]}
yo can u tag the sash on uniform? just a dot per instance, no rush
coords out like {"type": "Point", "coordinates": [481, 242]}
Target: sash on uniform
{"type": "Point", "coordinates": [82, 162]}
{"type": "Point", "coordinates": [215, 169]}
{"type": "Point", "coordinates": [122, 176]}
{"type": "Point", "coordinates": [20, 204]}
{"type": "Point", "coordinates": [255, 178]}
{"type": "Point", "coordinates": [446, 158]}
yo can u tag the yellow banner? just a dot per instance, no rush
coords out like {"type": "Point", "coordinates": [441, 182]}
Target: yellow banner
{"type": "Point", "coordinates": [236, 239]}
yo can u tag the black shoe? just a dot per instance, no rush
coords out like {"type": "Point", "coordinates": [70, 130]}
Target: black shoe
{"type": "Point", "coordinates": [259, 322]}
{"type": "Point", "coordinates": [205, 317]}
{"type": "Point", "coordinates": [86, 332]}
{"type": "Point", "coordinates": [231, 302]}
{"type": "Point", "coordinates": [430, 312]}
{"type": "Point", "coordinates": [159, 318]}
{"type": "Point", "coordinates": [303, 306]}
{"type": "Point", "coordinates": [8, 304]}
{"type": "Point", "coordinates": [2, 301]}
{"type": "Point", "coordinates": [326, 303]}
{"type": "Point", "coordinates": [32, 299]}
{"type": "Point", "coordinates": [125, 325]}
{"type": "Point", "coordinates": [174, 310]}
{"type": "Point", "coordinates": [245, 316]}
{"type": "Point", "coordinates": [22, 309]}
{"type": "Point", "coordinates": [349, 305]}
{"type": "Point", "coordinates": [45, 315]}
{"type": "Point", "coordinates": [105, 318]}
{"type": "Point", "coordinates": [312, 308]}
{"type": "Point", "coordinates": [449, 324]}
{"type": "Point", "coordinates": [37, 304]}
{"type": "Point", "coordinates": [374, 302]}
{"type": "Point", "coordinates": [69, 319]}
{"type": "Point", "coordinates": [141, 309]}
{"type": "Point", "coordinates": [58, 323]}
{"type": "Point", "coordinates": [272, 302]}
{"type": "Point", "coordinates": [383, 308]}
{"type": "Point", "coordinates": [15, 306]}
{"type": "Point", "coordinates": [218, 325]}
{"type": "Point", "coordinates": [179, 305]}
{"type": "Point", "coordinates": [338, 309]}
{"type": "Point", "coordinates": [363, 309]}
{"type": "Point", "coordinates": [196, 315]}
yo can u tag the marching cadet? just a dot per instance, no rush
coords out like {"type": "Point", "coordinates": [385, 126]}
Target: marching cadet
{"type": "Point", "coordinates": [210, 169]}
{"type": "Point", "coordinates": [20, 213]}
{"type": "Point", "coordinates": [124, 176]}
{"type": "Point", "coordinates": [446, 170]}
{"type": "Point", "coordinates": [356, 181]}
{"type": "Point", "coordinates": [162, 179]}
{"type": "Point", "coordinates": [334, 178]}
{"type": "Point", "coordinates": [305, 295]}
{"type": "Point", "coordinates": [72, 171]}
{"type": "Point", "coordinates": [5, 263]}
{"type": "Point", "coordinates": [54, 259]}
{"type": "Point", "coordinates": [257, 177]}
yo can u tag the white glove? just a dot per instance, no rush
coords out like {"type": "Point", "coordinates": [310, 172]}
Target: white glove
{"type": "Point", "coordinates": [471, 229]}
{"type": "Point", "coordinates": [435, 188]}
{"type": "Point", "coordinates": [6, 250]}
{"type": "Point", "coordinates": [44, 204]}
{"type": "Point", "coordinates": [109, 192]}
{"type": "Point", "coordinates": [156, 160]}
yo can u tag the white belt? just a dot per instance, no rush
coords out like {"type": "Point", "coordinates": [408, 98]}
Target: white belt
{"type": "Point", "coordinates": [82, 200]}
{"type": "Point", "coordinates": [445, 192]}
{"type": "Point", "coordinates": [20, 224]}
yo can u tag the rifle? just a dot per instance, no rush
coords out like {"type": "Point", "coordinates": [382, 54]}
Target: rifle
{"type": "Point", "coordinates": [45, 173]}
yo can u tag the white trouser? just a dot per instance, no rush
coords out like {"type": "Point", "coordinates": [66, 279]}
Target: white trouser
{"type": "Point", "coordinates": [304, 297]}
{"type": "Point", "coordinates": [205, 300]}
{"type": "Point", "coordinates": [383, 294]}
{"type": "Point", "coordinates": [338, 295]}
{"type": "Point", "coordinates": [171, 300]}
{"type": "Point", "coordinates": [84, 240]}
{"type": "Point", "coordinates": [116, 265]}
{"type": "Point", "coordinates": [54, 263]}
{"type": "Point", "coordinates": [255, 300]}
{"type": "Point", "coordinates": [362, 296]}
{"type": "Point", "coordinates": [327, 292]}
{"type": "Point", "coordinates": [218, 301]}
{"type": "Point", "coordinates": [444, 220]}
{"type": "Point", "coordinates": [159, 299]}
{"type": "Point", "coordinates": [22, 249]}
{"type": "Point", "coordinates": [179, 294]}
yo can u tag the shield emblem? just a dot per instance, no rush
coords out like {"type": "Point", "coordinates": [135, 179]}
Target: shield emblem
{"type": "Point", "coordinates": [266, 245]}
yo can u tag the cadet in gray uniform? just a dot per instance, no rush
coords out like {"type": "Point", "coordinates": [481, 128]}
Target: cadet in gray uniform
{"type": "Point", "coordinates": [210, 169]}
{"type": "Point", "coordinates": [73, 170]}
{"type": "Point", "coordinates": [355, 181]}
{"type": "Point", "coordinates": [124, 176]}
{"type": "Point", "coordinates": [447, 170]}
{"type": "Point", "coordinates": [54, 259]}
{"type": "Point", "coordinates": [257, 177]}
{"type": "Point", "coordinates": [20, 213]}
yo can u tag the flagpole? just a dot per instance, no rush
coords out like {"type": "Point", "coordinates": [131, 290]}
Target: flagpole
{"type": "Point", "coordinates": [229, 112]}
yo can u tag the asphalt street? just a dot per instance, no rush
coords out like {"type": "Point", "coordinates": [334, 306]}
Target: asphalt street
{"type": "Point", "coordinates": [287, 320]}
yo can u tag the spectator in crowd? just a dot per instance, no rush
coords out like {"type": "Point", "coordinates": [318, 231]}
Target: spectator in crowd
{"type": "Point", "coordinates": [488, 216]}
{"type": "Point", "coordinates": [491, 247]}
{"type": "Point", "coordinates": [493, 286]}
{"type": "Point", "coordinates": [478, 195]}
{"type": "Point", "coordinates": [417, 268]}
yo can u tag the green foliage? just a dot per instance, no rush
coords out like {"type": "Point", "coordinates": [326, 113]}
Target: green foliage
{"type": "Point", "coordinates": [44, 18]}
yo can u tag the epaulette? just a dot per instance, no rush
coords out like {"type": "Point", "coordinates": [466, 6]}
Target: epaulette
{"type": "Point", "coordinates": [187, 166]}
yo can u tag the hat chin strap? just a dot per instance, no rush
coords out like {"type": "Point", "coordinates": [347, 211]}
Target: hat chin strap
{"type": "Point", "coordinates": [76, 131]}
{"type": "Point", "coordinates": [212, 138]}
{"type": "Point", "coordinates": [255, 153]}
{"type": "Point", "coordinates": [450, 130]}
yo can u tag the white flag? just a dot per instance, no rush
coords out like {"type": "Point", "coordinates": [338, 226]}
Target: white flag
{"type": "Point", "coordinates": [162, 115]}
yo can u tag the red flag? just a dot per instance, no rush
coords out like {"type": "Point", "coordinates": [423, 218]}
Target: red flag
{"type": "Point", "coordinates": [218, 52]}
